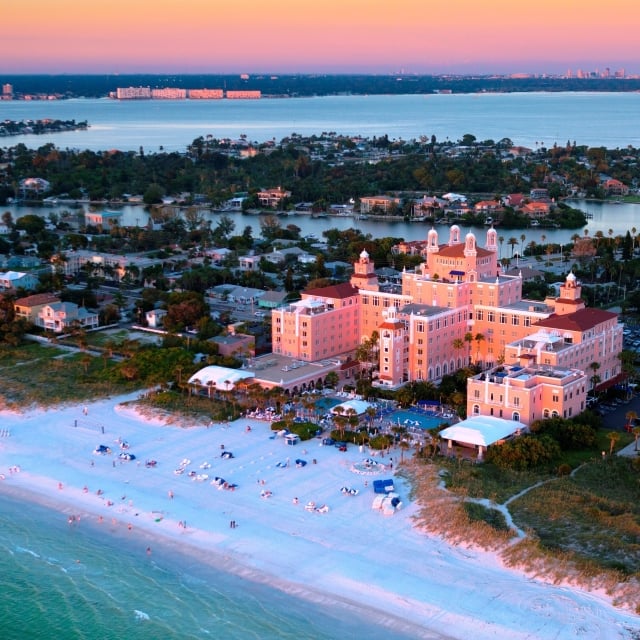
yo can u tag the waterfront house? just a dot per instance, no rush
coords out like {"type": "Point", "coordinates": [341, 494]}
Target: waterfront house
{"type": "Point", "coordinates": [381, 204]}
{"type": "Point", "coordinates": [272, 198]}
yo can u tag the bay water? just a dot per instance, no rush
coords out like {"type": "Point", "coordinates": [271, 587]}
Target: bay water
{"type": "Point", "coordinates": [531, 119]}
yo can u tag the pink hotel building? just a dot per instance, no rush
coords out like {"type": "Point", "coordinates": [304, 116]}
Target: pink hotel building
{"type": "Point", "coordinates": [424, 326]}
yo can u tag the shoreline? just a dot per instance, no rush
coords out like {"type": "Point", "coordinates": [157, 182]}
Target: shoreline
{"type": "Point", "coordinates": [186, 558]}
{"type": "Point", "coordinates": [352, 555]}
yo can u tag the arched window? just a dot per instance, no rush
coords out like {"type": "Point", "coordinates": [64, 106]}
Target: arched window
{"type": "Point", "coordinates": [445, 370]}
{"type": "Point", "coordinates": [555, 414]}
{"type": "Point", "coordinates": [545, 413]}
{"type": "Point", "coordinates": [476, 409]}
{"type": "Point", "coordinates": [516, 416]}
{"type": "Point", "coordinates": [437, 371]}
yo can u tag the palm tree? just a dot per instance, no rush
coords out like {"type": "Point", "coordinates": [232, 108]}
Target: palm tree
{"type": "Point", "coordinates": [613, 437]}
{"type": "Point", "coordinates": [513, 242]}
{"type": "Point", "coordinates": [478, 338]}
{"type": "Point", "coordinates": [630, 417]}
{"type": "Point", "coordinates": [468, 338]}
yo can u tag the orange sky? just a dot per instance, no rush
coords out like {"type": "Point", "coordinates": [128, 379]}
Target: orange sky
{"type": "Point", "coordinates": [279, 36]}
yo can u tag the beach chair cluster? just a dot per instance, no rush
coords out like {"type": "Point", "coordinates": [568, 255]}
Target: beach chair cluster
{"type": "Point", "coordinates": [386, 499]}
{"type": "Point", "coordinates": [269, 414]}
{"type": "Point", "coordinates": [313, 508]}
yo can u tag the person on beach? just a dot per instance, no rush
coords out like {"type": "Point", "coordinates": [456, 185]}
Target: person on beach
{"type": "Point", "coordinates": [148, 551]}
{"type": "Point", "coordinates": [170, 494]}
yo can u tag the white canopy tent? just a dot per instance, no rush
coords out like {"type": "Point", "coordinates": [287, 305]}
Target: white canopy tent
{"type": "Point", "coordinates": [481, 432]}
{"type": "Point", "coordinates": [222, 378]}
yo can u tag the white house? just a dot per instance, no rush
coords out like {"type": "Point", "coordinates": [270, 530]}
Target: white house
{"type": "Point", "coordinates": [60, 316]}
{"type": "Point", "coordinates": [154, 318]}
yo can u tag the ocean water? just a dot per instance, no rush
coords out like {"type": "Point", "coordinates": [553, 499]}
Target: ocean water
{"type": "Point", "coordinates": [79, 581]}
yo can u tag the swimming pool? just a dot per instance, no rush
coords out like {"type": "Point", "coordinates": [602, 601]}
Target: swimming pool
{"type": "Point", "coordinates": [408, 418]}
{"type": "Point", "coordinates": [324, 405]}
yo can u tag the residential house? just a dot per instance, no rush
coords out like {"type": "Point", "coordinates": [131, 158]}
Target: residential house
{"type": "Point", "coordinates": [62, 316]}
{"type": "Point", "coordinates": [272, 198]}
{"type": "Point", "coordinates": [29, 307]}
{"type": "Point", "coordinates": [155, 317]}
{"type": "Point", "coordinates": [535, 210]}
{"type": "Point", "coordinates": [615, 187]}
{"type": "Point", "coordinates": [382, 204]}
{"type": "Point", "coordinates": [272, 299]}
{"type": "Point", "coordinates": [18, 280]}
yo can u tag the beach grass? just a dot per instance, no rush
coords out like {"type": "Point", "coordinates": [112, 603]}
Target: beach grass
{"type": "Point", "coordinates": [583, 528]}
{"type": "Point", "coordinates": [46, 376]}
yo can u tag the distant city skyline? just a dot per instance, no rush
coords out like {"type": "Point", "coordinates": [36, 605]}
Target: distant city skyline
{"type": "Point", "coordinates": [350, 36]}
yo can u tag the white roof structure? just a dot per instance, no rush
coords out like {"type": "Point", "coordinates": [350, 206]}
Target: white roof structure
{"type": "Point", "coordinates": [359, 406]}
{"type": "Point", "coordinates": [222, 378]}
{"type": "Point", "coordinates": [481, 430]}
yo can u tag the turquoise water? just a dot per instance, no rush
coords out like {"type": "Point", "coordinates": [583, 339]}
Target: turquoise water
{"type": "Point", "coordinates": [68, 582]}
{"type": "Point", "coordinates": [414, 419]}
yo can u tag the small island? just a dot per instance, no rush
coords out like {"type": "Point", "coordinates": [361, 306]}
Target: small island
{"type": "Point", "coordinates": [39, 127]}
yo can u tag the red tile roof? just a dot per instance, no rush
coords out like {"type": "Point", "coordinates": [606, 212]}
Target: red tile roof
{"type": "Point", "coordinates": [457, 251]}
{"type": "Point", "coordinates": [337, 291]}
{"type": "Point", "coordinates": [36, 299]}
{"type": "Point", "coordinates": [581, 320]}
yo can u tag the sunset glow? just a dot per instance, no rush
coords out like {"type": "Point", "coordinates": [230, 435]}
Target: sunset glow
{"type": "Point", "coordinates": [344, 36]}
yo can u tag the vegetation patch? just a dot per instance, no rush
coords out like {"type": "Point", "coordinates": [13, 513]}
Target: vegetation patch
{"type": "Point", "coordinates": [477, 512]}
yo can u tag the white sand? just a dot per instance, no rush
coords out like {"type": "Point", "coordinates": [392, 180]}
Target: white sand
{"type": "Point", "coordinates": [352, 552]}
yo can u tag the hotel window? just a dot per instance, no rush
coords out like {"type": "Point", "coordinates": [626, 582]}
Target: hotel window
{"type": "Point", "coordinates": [527, 321]}
{"type": "Point", "coordinates": [420, 327]}
{"type": "Point", "coordinates": [476, 393]}
{"type": "Point", "coordinates": [503, 318]}
{"type": "Point", "coordinates": [365, 299]}
{"type": "Point", "coordinates": [480, 314]}
{"type": "Point", "coordinates": [491, 316]}
{"type": "Point", "coordinates": [515, 320]}
{"type": "Point", "coordinates": [555, 397]}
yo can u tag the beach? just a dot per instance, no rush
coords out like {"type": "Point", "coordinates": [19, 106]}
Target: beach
{"type": "Point", "coordinates": [233, 497]}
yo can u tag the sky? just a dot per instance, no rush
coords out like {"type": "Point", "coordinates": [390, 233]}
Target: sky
{"type": "Point", "coordinates": [329, 36]}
